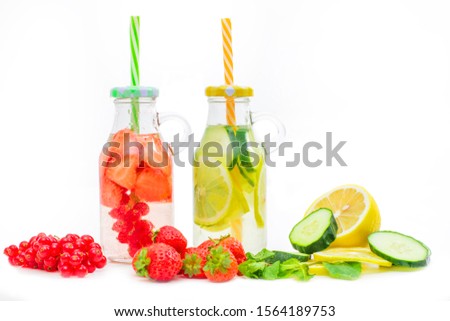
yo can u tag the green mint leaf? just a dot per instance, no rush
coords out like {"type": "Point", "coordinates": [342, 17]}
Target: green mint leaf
{"type": "Point", "coordinates": [261, 256]}
{"type": "Point", "coordinates": [294, 268]}
{"type": "Point", "coordinates": [344, 270]}
{"type": "Point", "coordinates": [271, 271]}
{"type": "Point", "coordinates": [252, 269]}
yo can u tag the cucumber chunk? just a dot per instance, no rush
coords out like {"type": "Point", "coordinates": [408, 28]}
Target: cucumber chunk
{"type": "Point", "coordinates": [315, 232]}
{"type": "Point", "coordinates": [400, 249]}
{"type": "Point", "coordinates": [284, 256]}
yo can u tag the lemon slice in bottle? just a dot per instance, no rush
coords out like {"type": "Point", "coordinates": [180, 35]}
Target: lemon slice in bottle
{"type": "Point", "coordinates": [212, 194]}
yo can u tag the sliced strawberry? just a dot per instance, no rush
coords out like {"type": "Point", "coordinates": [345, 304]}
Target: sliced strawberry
{"type": "Point", "coordinates": [111, 194]}
{"type": "Point", "coordinates": [156, 156]}
{"type": "Point", "coordinates": [124, 176]}
{"type": "Point", "coordinates": [153, 186]}
{"type": "Point", "coordinates": [124, 173]}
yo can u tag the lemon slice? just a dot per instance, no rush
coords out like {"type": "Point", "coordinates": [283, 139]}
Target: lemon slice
{"type": "Point", "coordinates": [351, 254]}
{"type": "Point", "coordinates": [212, 194]}
{"type": "Point", "coordinates": [317, 268]}
{"type": "Point", "coordinates": [355, 211]}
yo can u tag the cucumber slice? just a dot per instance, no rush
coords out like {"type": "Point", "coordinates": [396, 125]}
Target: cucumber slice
{"type": "Point", "coordinates": [400, 249]}
{"type": "Point", "coordinates": [284, 256]}
{"type": "Point", "coordinates": [315, 232]}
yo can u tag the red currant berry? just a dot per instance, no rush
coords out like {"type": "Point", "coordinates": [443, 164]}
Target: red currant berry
{"type": "Point", "coordinates": [50, 268]}
{"type": "Point", "coordinates": [80, 253]}
{"type": "Point", "coordinates": [66, 271]}
{"type": "Point", "coordinates": [44, 251]}
{"type": "Point", "coordinates": [81, 271]}
{"type": "Point", "coordinates": [55, 249]}
{"type": "Point", "coordinates": [64, 257]}
{"type": "Point", "coordinates": [68, 247]}
{"type": "Point", "coordinates": [32, 239]}
{"type": "Point", "coordinates": [123, 237]}
{"type": "Point", "coordinates": [142, 208]}
{"type": "Point", "coordinates": [38, 259]}
{"type": "Point", "coordinates": [75, 260]}
{"type": "Point", "coordinates": [94, 245]}
{"type": "Point", "coordinates": [44, 240]}
{"type": "Point", "coordinates": [21, 259]}
{"type": "Point", "coordinates": [95, 255]}
{"type": "Point", "coordinates": [24, 245]}
{"type": "Point", "coordinates": [51, 261]}
{"type": "Point", "coordinates": [11, 250]}
{"type": "Point", "coordinates": [32, 265]}
{"type": "Point", "coordinates": [13, 261]}
{"type": "Point", "coordinates": [87, 239]}
{"type": "Point", "coordinates": [118, 212]}
{"type": "Point", "coordinates": [63, 240]}
{"type": "Point", "coordinates": [35, 246]}
{"type": "Point", "coordinates": [72, 237]}
{"type": "Point", "coordinates": [101, 263]}
{"type": "Point", "coordinates": [30, 255]}
{"type": "Point", "coordinates": [52, 238]}
{"type": "Point", "coordinates": [132, 215]}
{"type": "Point", "coordinates": [80, 244]}
{"type": "Point", "coordinates": [90, 267]}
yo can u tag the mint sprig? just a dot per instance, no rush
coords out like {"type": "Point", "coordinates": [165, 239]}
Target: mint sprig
{"type": "Point", "coordinates": [257, 266]}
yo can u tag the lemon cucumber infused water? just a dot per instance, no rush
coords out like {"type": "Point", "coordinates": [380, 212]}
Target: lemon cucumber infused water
{"type": "Point", "coordinates": [229, 174]}
{"type": "Point", "coordinates": [229, 195]}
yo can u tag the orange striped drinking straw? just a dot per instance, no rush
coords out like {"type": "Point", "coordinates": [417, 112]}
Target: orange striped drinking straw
{"type": "Point", "coordinates": [228, 64]}
{"type": "Point", "coordinates": [235, 224]}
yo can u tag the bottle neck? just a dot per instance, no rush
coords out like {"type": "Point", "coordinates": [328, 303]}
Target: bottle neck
{"type": "Point", "coordinates": [217, 113]}
{"type": "Point", "coordinates": [143, 108]}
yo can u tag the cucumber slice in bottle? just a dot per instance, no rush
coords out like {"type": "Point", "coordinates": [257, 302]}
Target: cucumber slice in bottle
{"type": "Point", "coordinates": [400, 249]}
{"type": "Point", "coordinates": [315, 232]}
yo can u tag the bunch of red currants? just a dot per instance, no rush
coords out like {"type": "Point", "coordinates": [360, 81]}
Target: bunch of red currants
{"type": "Point", "coordinates": [71, 255]}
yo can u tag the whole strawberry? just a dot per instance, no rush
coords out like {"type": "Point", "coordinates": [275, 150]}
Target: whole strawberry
{"type": "Point", "coordinates": [193, 262]}
{"type": "Point", "coordinates": [221, 265]}
{"type": "Point", "coordinates": [208, 244]}
{"type": "Point", "coordinates": [230, 243]}
{"type": "Point", "coordinates": [235, 247]}
{"type": "Point", "coordinates": [171, 236]}
{"type": "Point", "coordinates": [159, 261]}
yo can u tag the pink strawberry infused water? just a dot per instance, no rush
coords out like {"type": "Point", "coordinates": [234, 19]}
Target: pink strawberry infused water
{"type": "Point", "coordinates": [135, 193]}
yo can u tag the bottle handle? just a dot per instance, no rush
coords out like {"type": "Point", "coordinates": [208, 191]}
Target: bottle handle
{"type": "Point", "coordinates": [276, 122]}
{"type": "Point", "coordinates": [183, 123]}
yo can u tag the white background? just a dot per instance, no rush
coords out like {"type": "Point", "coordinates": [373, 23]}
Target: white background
{"type": "Point", "coordinates": [375, 73]}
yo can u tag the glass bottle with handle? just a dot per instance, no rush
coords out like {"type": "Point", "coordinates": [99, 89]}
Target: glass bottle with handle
{"type": "Point", "coordinates": [135, 173]}
{"type": "Point", "coordinates": [230, 172]}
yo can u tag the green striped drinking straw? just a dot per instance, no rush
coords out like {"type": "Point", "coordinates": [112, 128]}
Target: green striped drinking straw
{"type": "Point", "coordinates": [135, 77]}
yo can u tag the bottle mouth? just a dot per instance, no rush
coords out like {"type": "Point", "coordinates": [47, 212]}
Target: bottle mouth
{"type": "Point", "coordinates": [134, 92]}
{"type": "Point", "coordinates": [229, 91]}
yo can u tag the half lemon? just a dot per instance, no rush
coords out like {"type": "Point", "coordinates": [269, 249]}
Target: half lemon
{"type": "Point", "coordinates": [355, 211]}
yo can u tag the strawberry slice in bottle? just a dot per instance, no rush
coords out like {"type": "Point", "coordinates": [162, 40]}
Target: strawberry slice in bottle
{"type": "Point", "coordinates": [152, 185]}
